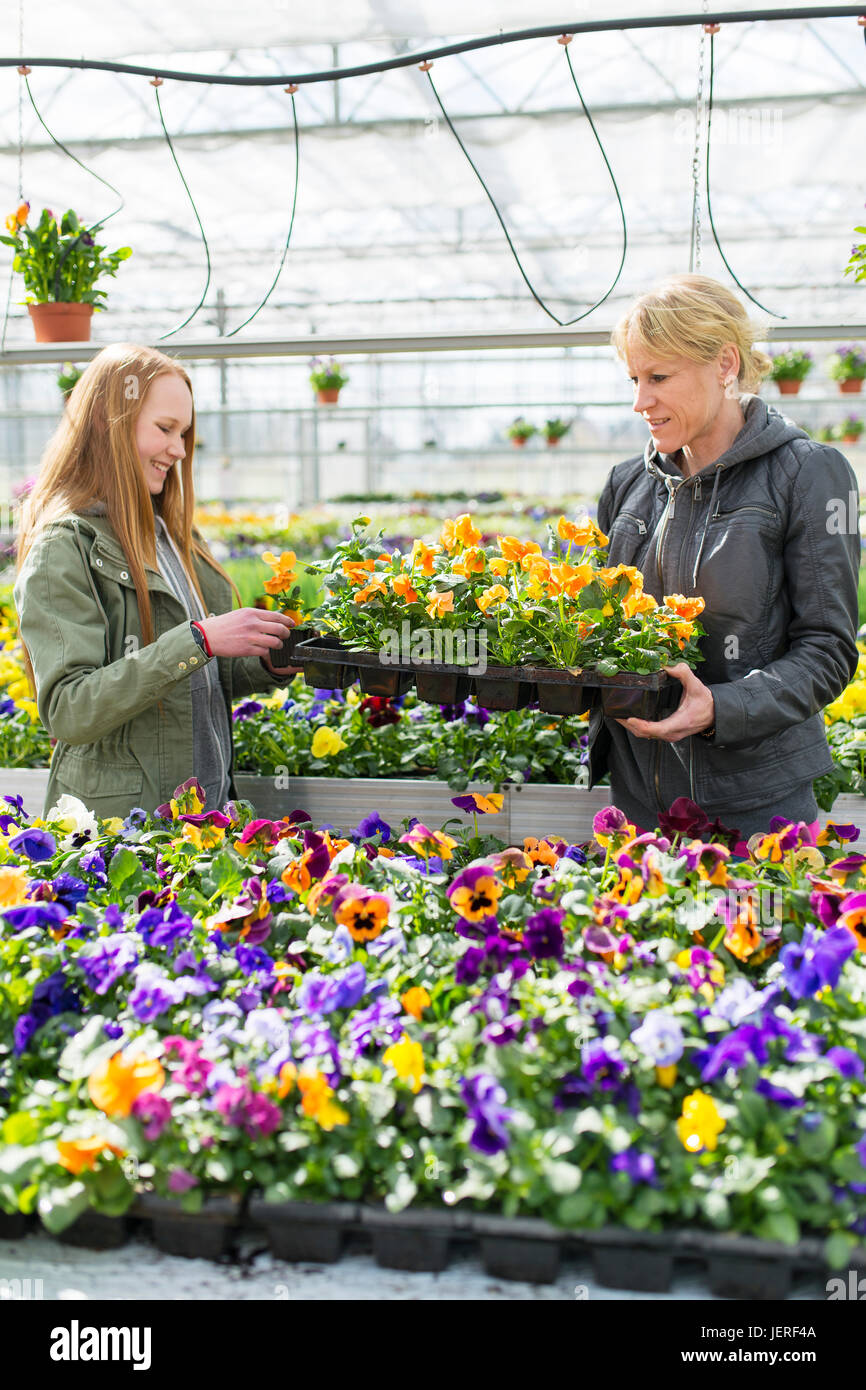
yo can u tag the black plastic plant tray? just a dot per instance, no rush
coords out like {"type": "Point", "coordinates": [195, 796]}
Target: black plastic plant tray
{"type": "Point", "coordinates": [93, 1230]}
{"type": "Point", "coordinates": [523, 1248]}
{"type": "Point", "coordinates": [519, 1248]}
{"type": "Point", "coordinates": [417, 1240]}
{"type": "Point", "coordinates": [284, 655]}
{"type": "Point", "coordinates": [13, 1225]}
{"type": "Point", "coordinates": [500, 693]}
{"type": "Point", "coordinates": [206, 1234]}
{"type": "Point", "coordinates": [389, 681]}
{"type": "Point", "coordinates": [314, 1231]}
{"type": "Point", "coordinates": [623, 1259]}
{"type": "Point", "coordinates": [327, 664]}
{"type": "Point", "coordinates": [442, 687]}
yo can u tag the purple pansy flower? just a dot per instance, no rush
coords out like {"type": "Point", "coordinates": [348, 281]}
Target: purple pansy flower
{"type": "Point", "coordinates": [485, 1101]}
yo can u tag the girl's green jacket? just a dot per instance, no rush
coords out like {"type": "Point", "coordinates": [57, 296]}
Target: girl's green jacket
{"type": "Point", "coordinates": [121, 712]}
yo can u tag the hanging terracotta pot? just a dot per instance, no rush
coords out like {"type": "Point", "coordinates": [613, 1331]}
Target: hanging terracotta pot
{"type": "Point", "coordinates": [852, 386]}
{"type": "Point", "coordinates": [328, 395]}
{"type": "Point", "coordinates": [850, 438]}
{"type": "Point", "coordinates": [789, 388]}
{"type": "Point", "coordinates": [518, 441]}
{"type": "Point", "coordinates": [61, 323]}
{"type": "Point", "coordinates": [552, 443]}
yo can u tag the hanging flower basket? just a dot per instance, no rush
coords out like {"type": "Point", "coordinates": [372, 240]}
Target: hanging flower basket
{"type": "Point", "coordinates": [61, 323]}
{"type": "Point", "coordinates": [329, 395]}
{"type": "Point", "coordinates": [788, 387]}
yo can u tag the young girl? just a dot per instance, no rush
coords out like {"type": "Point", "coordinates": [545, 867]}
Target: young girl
{"type": "Point", "coordinates": [126, 618]}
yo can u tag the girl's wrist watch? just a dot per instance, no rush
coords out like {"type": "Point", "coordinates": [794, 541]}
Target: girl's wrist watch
{"type": "Point", "coordinates": [200, 638]}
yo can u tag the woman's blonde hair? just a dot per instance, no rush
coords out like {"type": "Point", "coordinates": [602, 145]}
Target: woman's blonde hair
{"type": "Point", "coordinates": [693, 316]}
{"type": "Point", "coordinates": [93, 456]}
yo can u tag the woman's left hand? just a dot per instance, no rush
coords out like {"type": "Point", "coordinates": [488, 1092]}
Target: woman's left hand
{"type": "Point", "coordinates": [695, 711]}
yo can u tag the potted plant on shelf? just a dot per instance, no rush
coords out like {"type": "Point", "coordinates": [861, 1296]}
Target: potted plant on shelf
{"type": "Point", "coordinates": [554, 430]}
{"type": "Point", "coordinates": [847, 365]}
{"type": "Point", "coordinates": [850, 429]}
{"type": "Point", "coordinates": [327, 380]}
{"type": "Point", "coordinates": [790, 369]}
{"type": "Point", "coordinates": [68, 378]}
{"type": "Point", "coordinates": [519, 431]}
{"type": "Point", "coordinates": [61, 263]}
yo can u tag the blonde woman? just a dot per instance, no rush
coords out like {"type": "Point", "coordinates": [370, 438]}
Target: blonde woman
{"type": "Point", "coordinates": [135, 650]}
{"type": "Point", "coordinates": [733, 502]}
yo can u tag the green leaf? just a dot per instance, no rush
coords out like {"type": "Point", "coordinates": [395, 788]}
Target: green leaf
{"type": "Point", "coordinates": [403, 1193]}
{"type": "Point", "coordinates": [574, 1209]}
{"type": "Point", "coordinates": [123, 867]}
{"type": "Point", "coordinates": [780, 1226]}
{"type": "Point", "coordinates": [86, 1050]}
{"type": "Point", "coordinates": [564, 1178]}
{"type": "Point", "coordinates": [838, 1248]}
{"type": "Point", "coordinates": [58, 1206]}
{"type": "Point", "coordinates": [818, 1144]}
{"type": "Point", "coordinates": [20, 1128]}
{"type": "Point", "coordinates": [18, 1162]}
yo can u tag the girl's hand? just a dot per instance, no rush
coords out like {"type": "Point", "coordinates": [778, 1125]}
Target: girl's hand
{"type": "Point", "coordinates": [248, 632]}
{"type": "Point", "coordinates": [696, 711]}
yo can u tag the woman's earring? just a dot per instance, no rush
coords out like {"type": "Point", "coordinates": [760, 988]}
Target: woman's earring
{"type": "Point", "coordinates": [732, 389]}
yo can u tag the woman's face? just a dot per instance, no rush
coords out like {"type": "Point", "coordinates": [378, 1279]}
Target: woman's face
{"type": "Point", "coordinates": [679, 399]}
{"type": "Point", "coordinates": [165, 415]}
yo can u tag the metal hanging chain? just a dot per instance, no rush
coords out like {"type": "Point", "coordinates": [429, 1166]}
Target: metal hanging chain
{"type": "Point", "coordinates": [20, 105]}
{"type": "Point", "coordinates": [562, 323]}
{"type": "Point", "coordinates": [709, 200]}
{"type": "Point", "coordinates": [695, 246]}
{"type": "Point", "coordinates": [291, 90]}
{"type": "Point", "coordinates": [156, 83]}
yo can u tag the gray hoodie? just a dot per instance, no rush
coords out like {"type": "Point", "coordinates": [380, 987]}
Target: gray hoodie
{"type": "Point", "coordinates": [764, 535]}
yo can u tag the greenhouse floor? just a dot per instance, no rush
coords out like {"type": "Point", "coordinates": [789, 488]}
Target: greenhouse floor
{"type": "Point", "coordinates": [140, 1272]}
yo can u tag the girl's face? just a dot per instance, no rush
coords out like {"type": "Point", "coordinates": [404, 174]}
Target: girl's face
{"type": "Point", "coordinates": [165, 415]}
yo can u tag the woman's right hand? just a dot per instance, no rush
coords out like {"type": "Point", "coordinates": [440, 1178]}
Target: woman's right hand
{"type": "Point", "coordinates": [246, 632]}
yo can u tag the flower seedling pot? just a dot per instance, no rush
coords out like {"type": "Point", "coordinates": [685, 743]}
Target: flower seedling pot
{"type": "Point", "coordinates": [388, 681]}
{"type": "Point", "coordinates": [789, 388]}
{"type": "Point", "coordinates": [562, 696]}
{"type": "Point", "coordinates": [93, 1230]}
{"type": "Point", "coordinates": [442, 687]}
{"type": "Point", "coordinates": [13, 1225]}
{"type": "Point", "coordinates": [492, 692]}
{"type": "Point", "coordinates": [61, 323]}
{"type": "Point", "coordinates": [314, 1231]}
{"type": "Point", "coordinates": [621, 1261]}
{"type": "Point", "coordinates": [519, 1248]}
{"type": "Point", "coordinates": [418, 1240]}
{"type": "Point", "coordinates": [628, 696]}
{"type": "Point", "coordinates": [328, 395]}
{"type": "Point", "coordinates": [326, 662]}
{"type": "Point", "coordinates": [850, 438]}
{"type": "Point", "coordinates": [744, 1277]}
{"type": "Point", "coordinates": [852, 386]}
{"type": "Point", "coordinates": [283, 656]}
{"type": "Point", "coordinates": [205, 1234]}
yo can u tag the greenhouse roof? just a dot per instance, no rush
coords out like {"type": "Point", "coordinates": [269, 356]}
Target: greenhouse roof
{"type": "Point", "coordinates": [393, 231]}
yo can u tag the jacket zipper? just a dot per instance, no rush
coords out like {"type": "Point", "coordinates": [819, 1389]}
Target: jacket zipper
{"type": "Point", "coordinates": [673, 489]}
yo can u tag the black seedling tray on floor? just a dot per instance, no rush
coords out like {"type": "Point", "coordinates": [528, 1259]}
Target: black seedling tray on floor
{"type": "Point", "coordinates": [426, 1238]}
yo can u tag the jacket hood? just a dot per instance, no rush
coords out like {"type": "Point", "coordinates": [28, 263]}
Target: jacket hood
{"type": "Point", "coordinates": [764, 430]}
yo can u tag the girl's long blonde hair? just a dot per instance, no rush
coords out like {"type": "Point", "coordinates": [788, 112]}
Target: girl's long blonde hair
{"type": "Point", "coordinates": [92, 456]}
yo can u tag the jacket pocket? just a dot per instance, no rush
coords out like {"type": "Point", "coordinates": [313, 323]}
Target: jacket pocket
{"type": "Point", "coordinates": [104, 787]}
{"type": "Point", "coordinates": [755, 774]}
